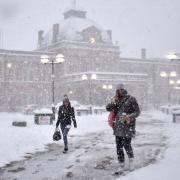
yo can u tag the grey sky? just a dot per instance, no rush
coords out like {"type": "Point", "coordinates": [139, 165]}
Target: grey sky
{"type": "Point", "coordinates": [136, 24]}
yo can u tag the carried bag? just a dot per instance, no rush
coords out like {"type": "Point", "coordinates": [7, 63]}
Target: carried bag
{"type": "Point", "coordinates": [57, 135]}
{"type": "Point", "coordinates": [111, 119]}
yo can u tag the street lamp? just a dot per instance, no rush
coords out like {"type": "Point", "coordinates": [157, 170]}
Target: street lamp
{"type": "Point", "coordinates": [178, 82]}
{"type": "Point", "coordinates": [171, 56]}
{"type": "Point", "coordinates": [104, 86]}
{"type": "Point", "coordinates": [109, 86]}
{"type": "Point", "coordinates": [58, 59]}
{"type": "Point", "coordinates": [172, 82]}
{"type": "Point", "coordinates": [92, 40]}
{"type": "Point", "coordinates": [8, 79]}
{"type": "Point", "coordinates": [9, 65]}
{"type": "Point", "coordinates": [167, 75]}
{"type": "Point", "coordinates": [84, 77]}
{"type": "Point", "coordinates": [91, 78]}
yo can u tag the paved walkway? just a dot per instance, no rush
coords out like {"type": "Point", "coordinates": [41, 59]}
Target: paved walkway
{"type": "Point", "coordinates": [91, 157]}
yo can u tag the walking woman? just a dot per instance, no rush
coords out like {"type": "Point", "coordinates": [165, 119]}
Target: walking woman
{"type": "Point", "coordinates": [127, 110]}
{"type": "Point", "coordinates": [65, 117]}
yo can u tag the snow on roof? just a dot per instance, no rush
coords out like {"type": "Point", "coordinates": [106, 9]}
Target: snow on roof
{"type": "Point", "coordinates": [109, 73]}
{"type": "Point", "coordinates": [78, 24]}
{"type": "Point", "coordinates": [43, 111]}
{"type": "Point", "coordinates": [177, 106]}
{"type": "Point", "coordinates": [69, 29]}
{"type": "Point", "coordinates": [176, 112]}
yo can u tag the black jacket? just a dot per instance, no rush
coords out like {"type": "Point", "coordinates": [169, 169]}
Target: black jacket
{"type": "Point", "coordinates": [127, 104]}
{"type": "Point", "coordinates": [65, 116]}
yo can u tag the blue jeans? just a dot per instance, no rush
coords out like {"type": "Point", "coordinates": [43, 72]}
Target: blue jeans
{"type": "Point", "coordinates": [65, 133]}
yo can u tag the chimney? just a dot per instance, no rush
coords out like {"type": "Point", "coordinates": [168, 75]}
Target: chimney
{"type": "Point", "coordinates": [40, 37]}
{"type": "Point", "coordinates": [143, 53]}
{"type": "Point", "coordinates": [55, 33]}
{"type": "Point", "coordinates": [110, 34]}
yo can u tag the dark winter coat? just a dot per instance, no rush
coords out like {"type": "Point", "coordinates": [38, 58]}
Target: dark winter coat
{"type": "Point", "coordinates": [127, 104]}
{"type": "Point", "coordinates": [65, 116]}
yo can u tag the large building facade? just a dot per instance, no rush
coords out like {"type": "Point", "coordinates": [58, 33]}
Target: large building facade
{"type": "Point", "coordinates": [92, 68]}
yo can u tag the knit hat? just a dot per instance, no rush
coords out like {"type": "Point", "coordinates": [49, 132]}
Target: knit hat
{"type": "Point", "coordinates": [65, 98]}
{"type": "Point", "coordinates": [120, 86]}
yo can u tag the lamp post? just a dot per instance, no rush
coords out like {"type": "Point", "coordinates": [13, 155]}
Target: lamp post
{"type": "Point", "coordinates": [8, 79]}
{"type": "Point", "coordinates": [168, 75]}
{"type": "Point", "coordinates": [177, 88]}
{"type": "Point", "coordinates": [91, 78]}
{"type": "Point", "coordinates": [58, 59]}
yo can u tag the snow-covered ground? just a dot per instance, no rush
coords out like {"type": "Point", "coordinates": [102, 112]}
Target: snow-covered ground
{"type": "Point", "coordinates": [168, 167]}
{"type": "Point", "coordinates": [15, 142]}
{"type": "Point", "coordinates": [92, 149]}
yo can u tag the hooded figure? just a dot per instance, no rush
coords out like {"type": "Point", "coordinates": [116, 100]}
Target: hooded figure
{"type": "Point", "coordinates": [126, 110]}
{"type": "Point", "coordinates": [65, 117]}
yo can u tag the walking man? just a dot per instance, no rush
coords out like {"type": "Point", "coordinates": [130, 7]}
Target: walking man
{"type": "Point", "coordinates": [65, 117]}
{"type": "Point", "coordinates": [126, 110]}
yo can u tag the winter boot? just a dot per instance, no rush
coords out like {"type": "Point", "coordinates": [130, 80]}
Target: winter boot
{"type": "Point", "coordinates": [122, 165]}
{"type": "Point", "coordinates": [131, 164]}
{"type": "Point", "coordinates": [120, 168]}
{"type": "Point", "coordinates": [121, 160]}
{"type": "Point", "coordinates": [65, 150]}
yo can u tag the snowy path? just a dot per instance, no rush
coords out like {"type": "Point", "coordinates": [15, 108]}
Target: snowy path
{"type": "Point", "coordinates": [91, 156]}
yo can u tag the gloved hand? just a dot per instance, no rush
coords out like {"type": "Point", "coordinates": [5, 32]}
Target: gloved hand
{"type": "Point", "coordinates": [75, 124]}
{"type": "Point", "coordinates": [125, 118]}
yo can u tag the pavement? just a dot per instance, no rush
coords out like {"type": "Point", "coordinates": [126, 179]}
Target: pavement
{"type": "Point", "coordinates": [91, 156]}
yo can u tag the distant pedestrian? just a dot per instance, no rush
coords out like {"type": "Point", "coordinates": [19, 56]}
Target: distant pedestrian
{"type": "Point", "coordinates": [66, 115]}
{"type": "Point", "coordinates": [126, 110]}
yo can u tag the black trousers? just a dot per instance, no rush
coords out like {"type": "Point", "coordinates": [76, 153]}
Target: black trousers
{"type": "Point", "coordinates": [124, 142]}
